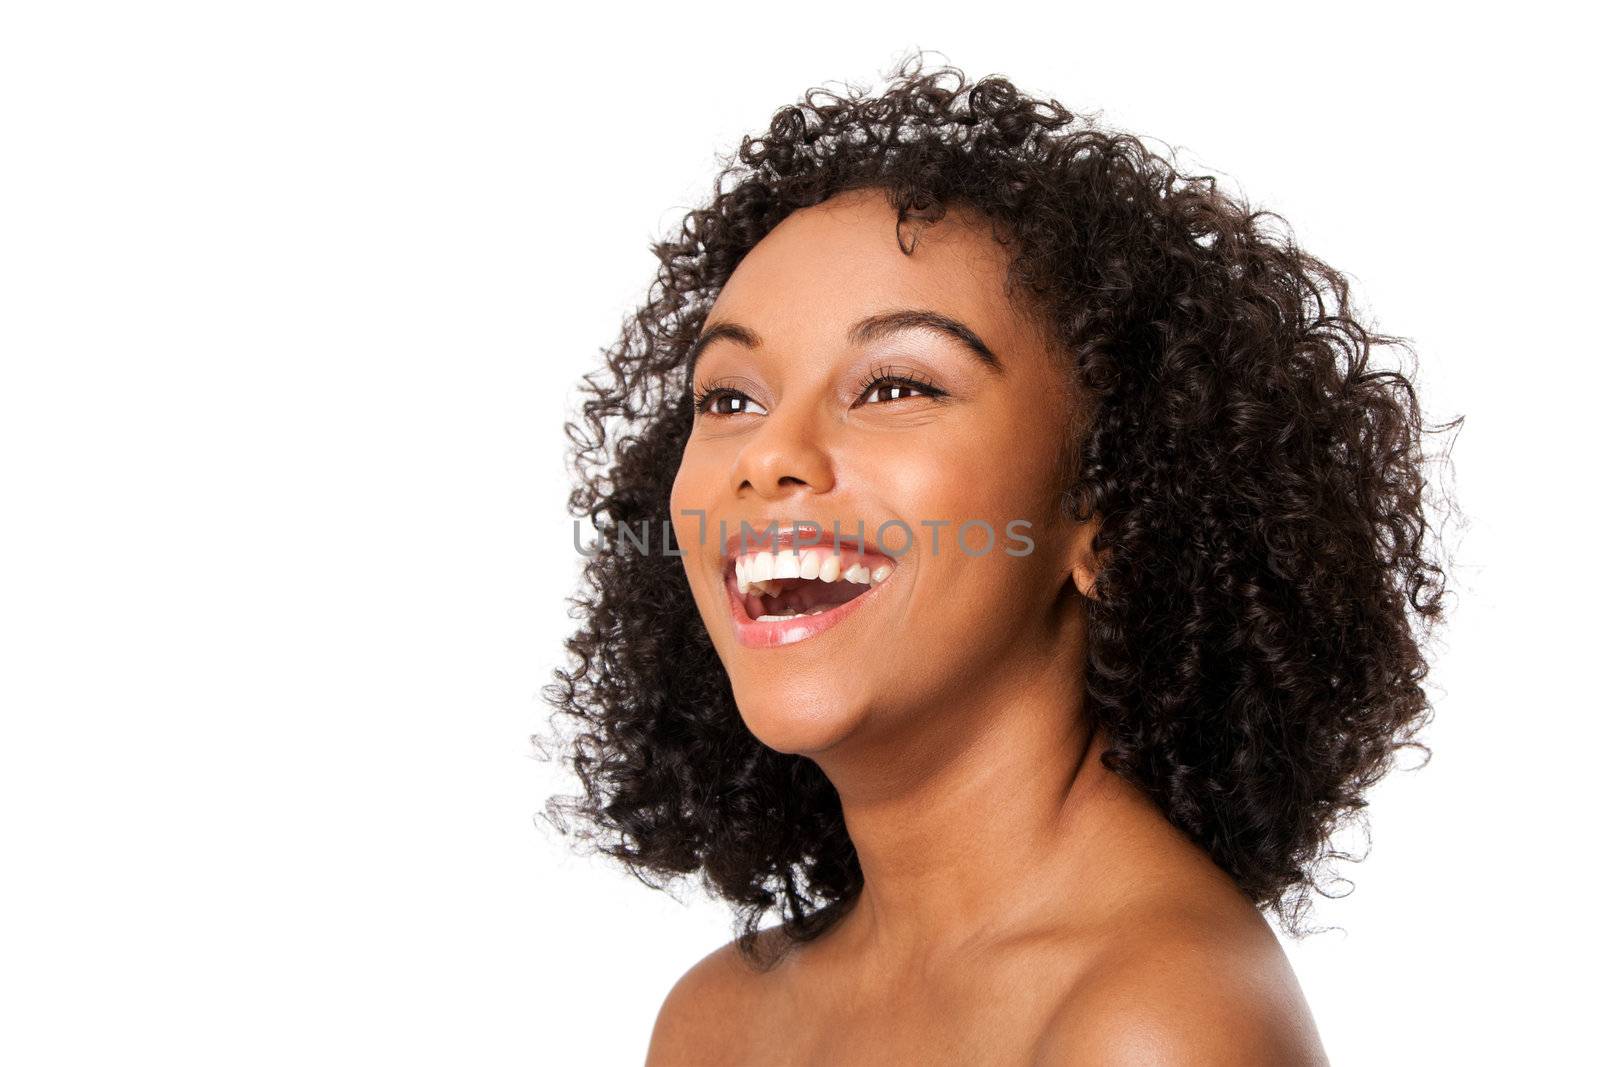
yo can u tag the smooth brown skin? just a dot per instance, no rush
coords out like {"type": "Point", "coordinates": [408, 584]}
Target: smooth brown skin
{"type": "Point", "coordinates": [1021, 905]}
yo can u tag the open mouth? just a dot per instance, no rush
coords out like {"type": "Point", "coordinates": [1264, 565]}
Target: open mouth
{"type": "Point", "coordinates": [780, 585]}
{"type": "Point", "coordinates": [786, 594]}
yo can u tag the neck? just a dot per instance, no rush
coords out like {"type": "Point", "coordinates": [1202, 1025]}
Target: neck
{"type": "Point", "coordinates": [974, 822]}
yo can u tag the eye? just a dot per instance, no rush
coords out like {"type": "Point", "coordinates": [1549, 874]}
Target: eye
{"type": "Point", "coordinates": [887, 389]}
{"type": "Point", "coordinates": [720, 400]}
{"type": "Point", "coordinates": [886, 386]}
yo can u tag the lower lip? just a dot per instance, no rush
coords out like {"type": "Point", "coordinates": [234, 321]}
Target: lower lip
{"type": "Point", "coordinates": [753, 633]}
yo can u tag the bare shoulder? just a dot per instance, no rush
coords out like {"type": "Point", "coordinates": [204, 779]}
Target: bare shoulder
{"type": "Point", "coordinates": [1188, 992]}
{"type": "Point", "coordinates": [699, 1019]}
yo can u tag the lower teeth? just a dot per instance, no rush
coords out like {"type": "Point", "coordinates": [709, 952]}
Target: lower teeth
{"type": "Point", "coordinates": [792, 615]}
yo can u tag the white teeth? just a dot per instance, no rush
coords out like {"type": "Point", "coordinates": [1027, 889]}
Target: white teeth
{"type": "Point", "coordinates": [786, 618]}
{"type": "Point", "coordinates": [761, 571]}
{"type": "Point", "coordinates": [749, 575]}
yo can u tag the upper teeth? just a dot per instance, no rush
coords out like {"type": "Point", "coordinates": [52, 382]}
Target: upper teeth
{"type": "Point", "coordinates": [756, 570]}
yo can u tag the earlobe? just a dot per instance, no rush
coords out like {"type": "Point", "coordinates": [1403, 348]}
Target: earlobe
{"type": "Point", "coordinates": [1084, 579]}
{"type": "Point", "coordinates": [1083, 562]}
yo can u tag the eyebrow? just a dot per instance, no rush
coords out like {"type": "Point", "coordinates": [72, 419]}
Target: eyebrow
{"type": "Point", "coordinates": [870, 328]}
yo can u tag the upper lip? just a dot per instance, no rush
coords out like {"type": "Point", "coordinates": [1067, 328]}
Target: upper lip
{"type": "Point", "coordinates": [786, 536]}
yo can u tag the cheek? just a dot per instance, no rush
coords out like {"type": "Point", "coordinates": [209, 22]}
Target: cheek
{"type": "Point", "coordinates": [689, 493]}
{"type": "Point", "coordinates": [689, 529]}
{"type": "Point", "coordinates": [1005, 489]}
{"type": "Point", "coordinates": [675, 504]}
{"type": "Point", "coordinates": [958, 479]}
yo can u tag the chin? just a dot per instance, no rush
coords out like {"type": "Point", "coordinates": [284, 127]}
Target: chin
{"type": "Point", "coordinates": [797, 718]}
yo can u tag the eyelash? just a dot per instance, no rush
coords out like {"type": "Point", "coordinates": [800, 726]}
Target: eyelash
{"type": "Point", "coordinates": [877, 376]}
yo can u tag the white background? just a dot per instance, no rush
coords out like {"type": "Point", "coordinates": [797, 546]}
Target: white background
{"type": "Point", "coordinates": [294, 298]}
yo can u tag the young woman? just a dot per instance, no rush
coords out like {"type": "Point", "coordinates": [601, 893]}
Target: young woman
{"type": "Point", "coordinates": [1048, 577]}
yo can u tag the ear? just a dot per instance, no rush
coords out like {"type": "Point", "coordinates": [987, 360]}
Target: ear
{"type": "Point", "coordinates": [1083, 564]}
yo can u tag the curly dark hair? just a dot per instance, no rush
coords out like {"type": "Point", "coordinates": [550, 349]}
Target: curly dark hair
{"type": "Point", "coordinates": [1257, 644]}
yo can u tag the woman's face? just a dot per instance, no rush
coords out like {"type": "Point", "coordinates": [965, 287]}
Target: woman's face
{"type": "Point", "coordinates": [904, 434]}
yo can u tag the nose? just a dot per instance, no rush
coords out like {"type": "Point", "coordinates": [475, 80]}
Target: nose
{"type": "Point", "coordinates": [783, 456]}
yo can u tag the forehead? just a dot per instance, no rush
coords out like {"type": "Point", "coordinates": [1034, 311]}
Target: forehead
{"type": "Point", "coordinates": [824, 266]}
